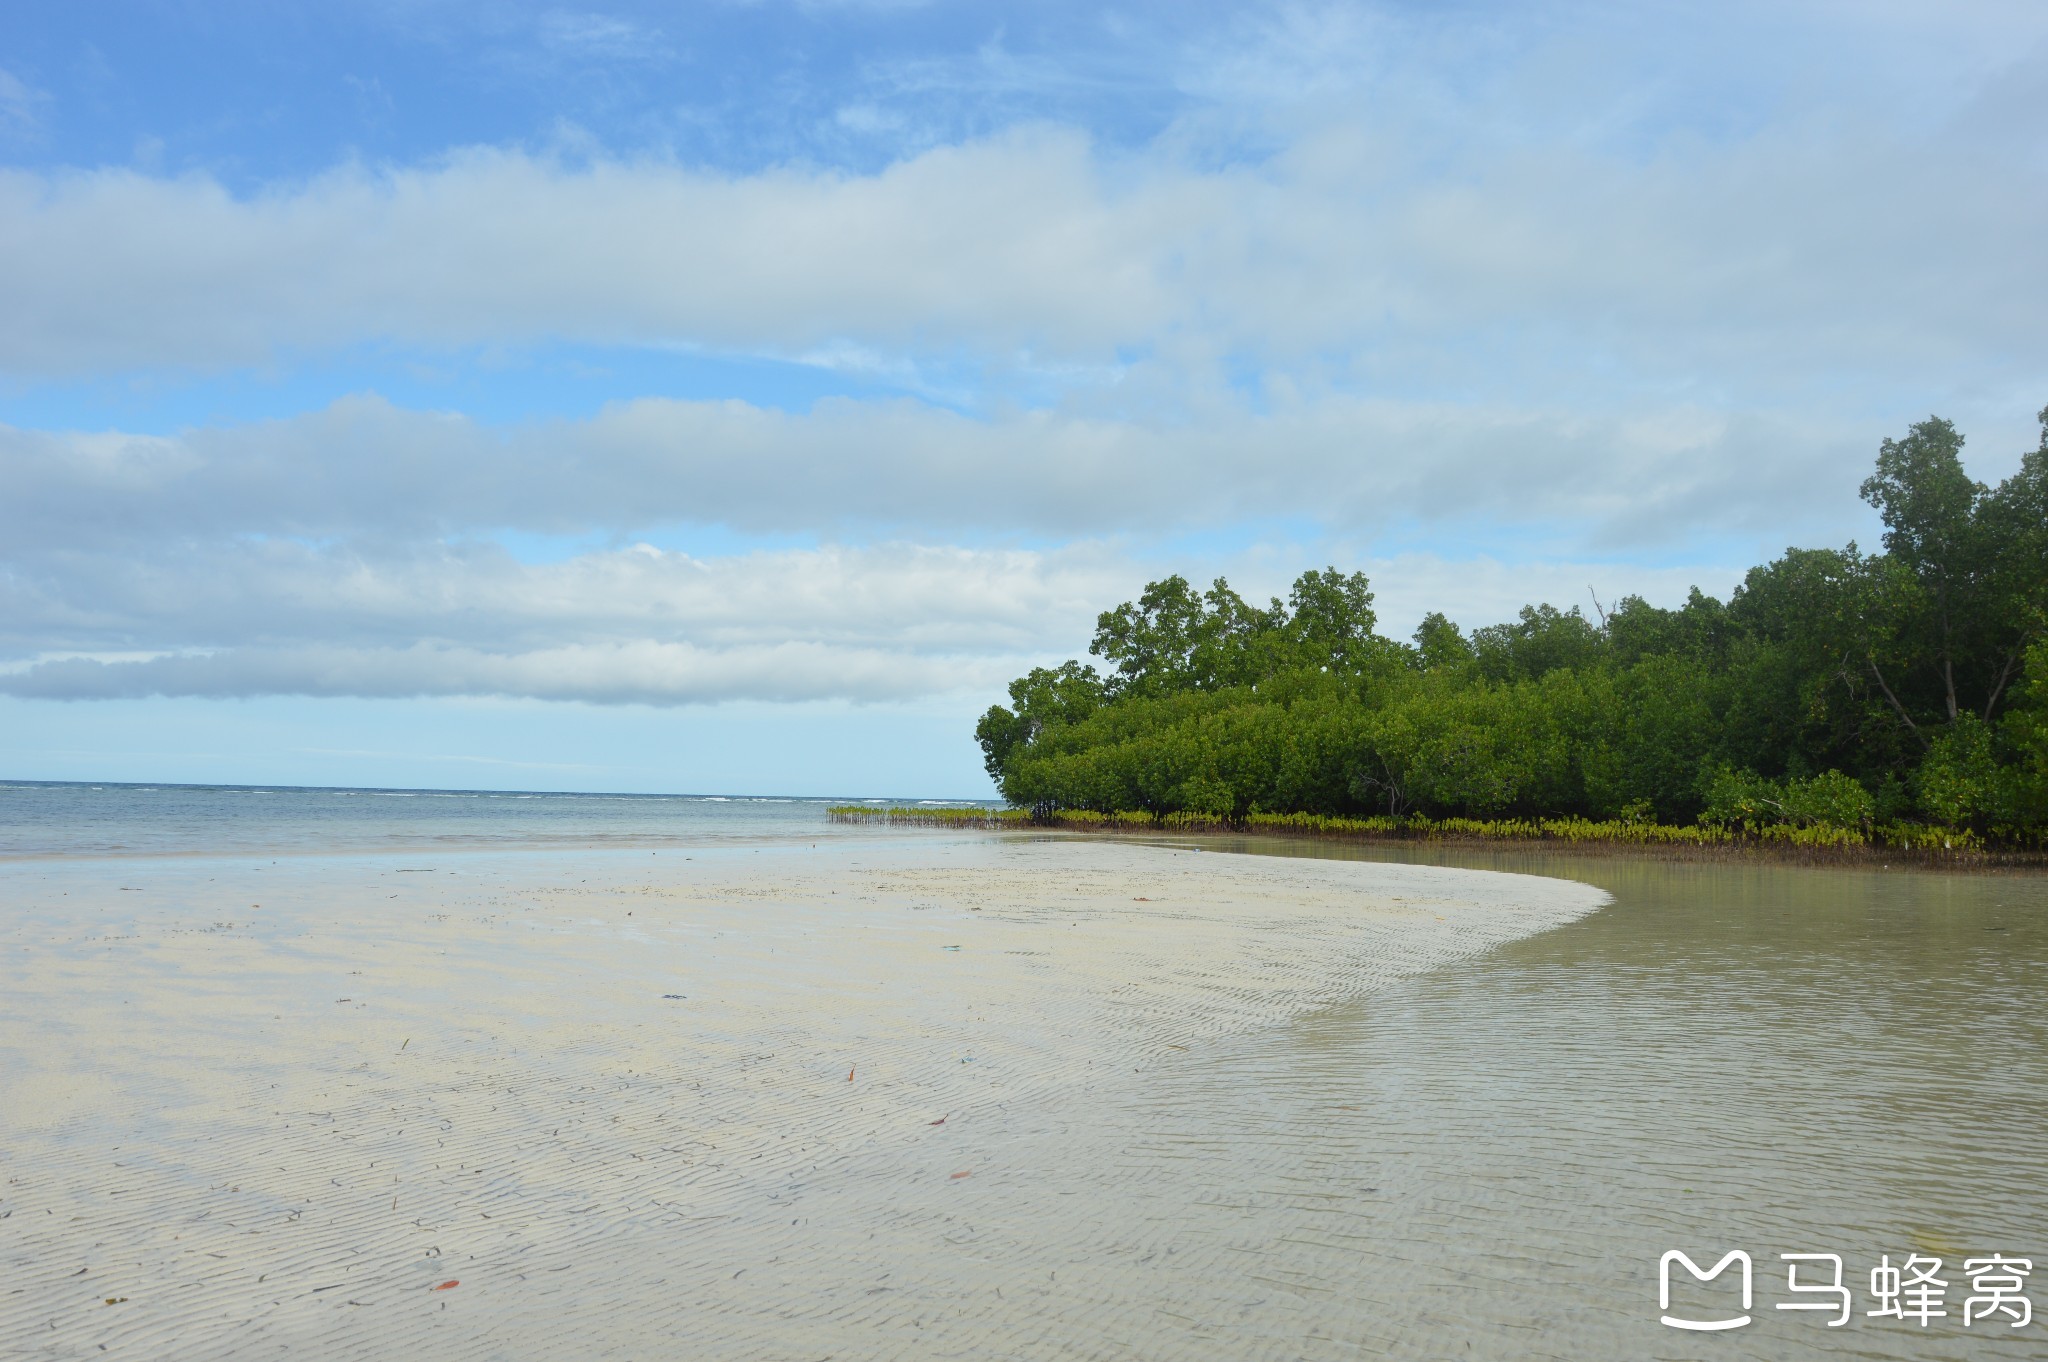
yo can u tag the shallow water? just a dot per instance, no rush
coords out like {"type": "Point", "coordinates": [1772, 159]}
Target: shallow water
{"type": "Point", "coordinates": [1769, 1058]}
{"type": "Point", "coordinates": [1184, 1143]}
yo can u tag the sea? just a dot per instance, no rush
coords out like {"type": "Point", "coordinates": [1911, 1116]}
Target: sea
{"type": "Point", "coordinates": [79, 819]}
{"type": "Point", "coordinates": [1829, 1073]}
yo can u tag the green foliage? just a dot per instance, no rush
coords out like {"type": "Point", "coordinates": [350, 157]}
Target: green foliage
{"type": "Point", "coordinates": [1171, 639]}
{"type": "Point", "coordinates": [1746, 800]}
{"type": "Point", "coordinates": [1655, 725]}
{"type": "Point", "coordinates": [1930, 843]}
{"type": "Point", "coordinates": [1967, 579]}
{"type": "Point", "coordinates": [1700, 630]}
{"type": "Point", "coordinates": [1061, 695]}
{"type": "Point", "coordinates": [1440, 646]}
{"type": "Point", "coordinates": [1829, 799]}
{"type": "Point", "coordinates": [2025, 735]}
{"type": "Point", "coordinates": [1961, 782]}
{"type": "Point", "coordinates": [1542, 641]}
{"type": "Point", "coordinates": [1836, 694]}
{"type": "Point", "coordinates": [1742, 799]}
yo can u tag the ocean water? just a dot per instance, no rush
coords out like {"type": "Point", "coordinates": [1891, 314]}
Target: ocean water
{"type": "Point", "coordinates": [1487, 1159]}
{"type": "Point", "coordinates": [70, 819]}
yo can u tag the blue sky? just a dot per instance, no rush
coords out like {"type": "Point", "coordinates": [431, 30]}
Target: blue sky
{"type": "Point", "coordinates": [732, 396]}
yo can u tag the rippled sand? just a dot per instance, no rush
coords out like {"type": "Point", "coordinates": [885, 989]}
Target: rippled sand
{"type": "Point", "coordinates": [902, 1104]}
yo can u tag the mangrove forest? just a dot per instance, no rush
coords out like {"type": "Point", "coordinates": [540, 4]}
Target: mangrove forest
{"type": "Point", "coordinates": [1835, 688]}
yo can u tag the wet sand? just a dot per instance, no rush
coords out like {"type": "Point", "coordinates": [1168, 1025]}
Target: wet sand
{"type": "Point", "coordinates": [867, 1100]}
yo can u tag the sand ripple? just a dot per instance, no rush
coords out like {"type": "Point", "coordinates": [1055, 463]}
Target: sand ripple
{"type": "Point", "coordinates": [272, 1109]}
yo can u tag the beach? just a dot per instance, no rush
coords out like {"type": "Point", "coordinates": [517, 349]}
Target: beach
{"type": "Point", "coordinates": [900, 1096]}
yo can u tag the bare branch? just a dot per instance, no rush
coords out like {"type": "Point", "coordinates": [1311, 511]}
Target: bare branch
{"type": "Point", "coordinates": [1924, 741]}
{"type": "Point", "coordinates": [2012, 660]}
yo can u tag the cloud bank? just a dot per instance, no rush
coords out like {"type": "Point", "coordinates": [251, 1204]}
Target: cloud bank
{"type": "Point", "coordinates": [639, 625]}
{"type": "Point", "coordinates": [1354, 252]}
{"type": "Point", "coordinates": [1375, 280]}
{"type": "Point", "coordinates": [363, 466]}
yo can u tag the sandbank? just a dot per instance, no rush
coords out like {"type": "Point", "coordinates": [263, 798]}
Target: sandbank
{"type": "Point", "coordinates": [862, 1100]}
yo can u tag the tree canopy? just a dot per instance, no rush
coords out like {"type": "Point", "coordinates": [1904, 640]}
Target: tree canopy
{"type": "Point", "coordinates": [1834, 685]}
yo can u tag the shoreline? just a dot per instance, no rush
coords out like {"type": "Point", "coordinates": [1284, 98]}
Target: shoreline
{"type": "Point", "coordinates": [565, 844]}
{"type": "Point", "coordinates": [1919, 848]}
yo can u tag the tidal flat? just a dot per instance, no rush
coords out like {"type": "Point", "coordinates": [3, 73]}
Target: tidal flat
{"type": "Point", "coordinates": [995, 1095]}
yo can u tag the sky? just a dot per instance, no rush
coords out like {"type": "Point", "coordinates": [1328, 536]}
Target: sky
{"type": "Point", "coordinates": [732, 397]}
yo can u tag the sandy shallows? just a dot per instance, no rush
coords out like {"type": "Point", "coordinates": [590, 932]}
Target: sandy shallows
{"type": "Point", "coordinates": [902, 1099]}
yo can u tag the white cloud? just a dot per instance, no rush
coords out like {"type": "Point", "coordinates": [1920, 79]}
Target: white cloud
{"type": "Point", "coordinates": [618, 673]}
{"type": "Point", "coordinates": [1746, 266]}
{"type": "Point", "coordinates": [905, 598]}
{"type": "Point", "coordinates": [629, 625]}
{"type": "Point", "coordinates": [888, 623]}
{"type": "Point", "coordinates": [585, 33]}
{"type": "Point", "coordinates": [20, 106]}
{"type": "Point", "coordinates": [364, 467]}
{"type": "Point", "coordinates": [1004, 243]}
{"type": "Point", "coordinates": [1475, 592]}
